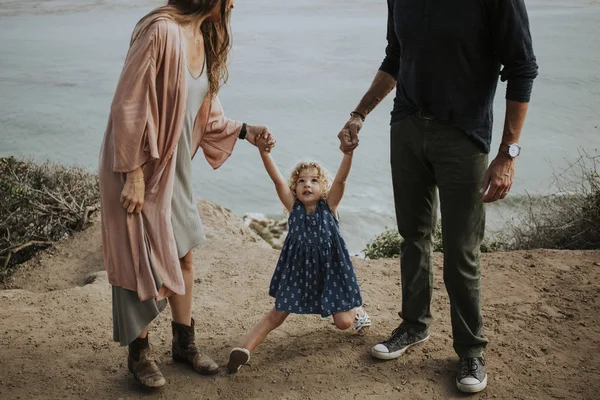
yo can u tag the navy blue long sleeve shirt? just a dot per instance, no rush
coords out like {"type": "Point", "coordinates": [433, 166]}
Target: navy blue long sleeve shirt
{"type": "Point", "coordinates": [447, 56]}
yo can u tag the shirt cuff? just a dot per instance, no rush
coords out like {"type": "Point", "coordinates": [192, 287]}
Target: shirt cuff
{"type": "Point", "coordinates": [390, 66]}
{"type": "Point", "coordinates": [519, 90]}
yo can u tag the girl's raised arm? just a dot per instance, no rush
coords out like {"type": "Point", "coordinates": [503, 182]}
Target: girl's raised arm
{"type": "Point", "coordinates": [339, 183]}
{"type": "Point", "coordinates": [283, 190]}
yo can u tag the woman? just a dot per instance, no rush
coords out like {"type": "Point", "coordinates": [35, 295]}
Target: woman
{"type": "Point", "coordinates": [165, 108]}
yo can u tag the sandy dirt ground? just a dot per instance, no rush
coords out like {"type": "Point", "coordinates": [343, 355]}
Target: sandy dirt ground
{"type": "Point", "coordinates": [541, 308]}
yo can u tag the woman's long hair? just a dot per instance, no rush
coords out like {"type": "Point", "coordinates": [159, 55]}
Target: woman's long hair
{"type": "Point", "coordinates": [217, 39]}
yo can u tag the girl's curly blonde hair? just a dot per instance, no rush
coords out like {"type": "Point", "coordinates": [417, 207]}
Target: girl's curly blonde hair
{"type": "Point", "coordinates": [322, 176]}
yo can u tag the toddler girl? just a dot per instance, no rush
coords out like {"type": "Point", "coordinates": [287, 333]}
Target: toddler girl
{"type": "Point", "coordinates": [314, 274]}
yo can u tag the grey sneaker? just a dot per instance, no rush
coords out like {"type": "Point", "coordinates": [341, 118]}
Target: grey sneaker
{"type": "Point", "coordinates": [471, 377]}
{"type": "Point", "coordinates": [397, 344]}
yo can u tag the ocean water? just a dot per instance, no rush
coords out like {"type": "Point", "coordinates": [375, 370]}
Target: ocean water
{"type": "Point", "coordinates": [298, 67]}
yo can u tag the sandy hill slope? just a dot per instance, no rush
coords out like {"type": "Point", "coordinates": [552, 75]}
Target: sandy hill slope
{"type": "Point", "coordinates": [541, 308]}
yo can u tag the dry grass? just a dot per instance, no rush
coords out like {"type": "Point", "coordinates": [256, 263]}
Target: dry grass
{"type": "Point", "coordinates": [41, 204]}
{"type": "Point", "coordinates": [569, 220]}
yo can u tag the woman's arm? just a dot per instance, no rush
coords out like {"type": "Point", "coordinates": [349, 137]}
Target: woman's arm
{"type": "Point", "coordinates": [339, 183]}
{"type": "Point", "coordinates": [134, 190]}
{"type": "Point", "coordinates": [135, 138]}
{"type": "Point", "coordinates": [222, 133]}
{"type": "Point", "coordinates": [254, 134]}
{"type": "Point", "coordinates": [133, 113]}
{"type": "Point", "coordinates": [283, 190]}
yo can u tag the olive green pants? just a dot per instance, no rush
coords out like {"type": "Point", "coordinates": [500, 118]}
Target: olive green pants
{"type": "Point", "coordinates": [425, 155]}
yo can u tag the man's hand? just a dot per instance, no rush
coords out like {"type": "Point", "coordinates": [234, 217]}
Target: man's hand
{"type": "Point", "coordinates": [261, 137]}
{"type": "Point", "coordinates": [498, 178]}
{"type": "Point", "coordinates": [349, 134]}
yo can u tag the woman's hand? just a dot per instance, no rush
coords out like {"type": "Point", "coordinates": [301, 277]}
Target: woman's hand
{"type": "Point", "coordinates": [132, 196]}
{"type": "Point", "coordinates": [261, 137]}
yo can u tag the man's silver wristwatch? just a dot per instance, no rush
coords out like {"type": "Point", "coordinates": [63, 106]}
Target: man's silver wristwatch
{"type": "Point", "coordinates": [513, 150]}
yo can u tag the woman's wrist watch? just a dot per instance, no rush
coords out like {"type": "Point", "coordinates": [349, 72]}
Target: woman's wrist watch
{"type": "Point", "coordinates": [243, 131]}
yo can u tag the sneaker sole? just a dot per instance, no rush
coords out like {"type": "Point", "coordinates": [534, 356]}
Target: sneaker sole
{"type": "Point", "coordinates": [395, 354]}
{"type": "Point", "coordinates": [236, 360]}
{"type": "Point", "coordinates": [472, 388]}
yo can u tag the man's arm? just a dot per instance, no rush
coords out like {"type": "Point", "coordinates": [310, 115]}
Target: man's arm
{"type": "Point", "coordinates": [513, 46]}
{"type": "Point", "coordinates": [513, 123]}
{"type": "Point", "coordinates": [384, 82]}
{"type": "Point", "coordinates": [382, 85]}
{"type": "Point", "coordinates": [499, 177]}
{"type": "Point", "coordinates": [386, 78]}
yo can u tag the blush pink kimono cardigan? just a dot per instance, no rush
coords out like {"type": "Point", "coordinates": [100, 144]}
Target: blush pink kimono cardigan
{"type": "Point", "coordinates": [144, 126]}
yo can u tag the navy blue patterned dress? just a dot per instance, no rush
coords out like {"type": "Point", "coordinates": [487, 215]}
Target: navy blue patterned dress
{"type": "Point", "coordinates": [314, 274]}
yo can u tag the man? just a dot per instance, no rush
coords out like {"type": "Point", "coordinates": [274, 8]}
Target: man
{"type": "Point", "coordinates": [444, 58]}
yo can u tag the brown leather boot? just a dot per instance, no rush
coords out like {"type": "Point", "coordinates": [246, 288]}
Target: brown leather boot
{"type": "Point", "coordinates": [185, 350]}
{"type": "Point", "coordinates": [142, 366]}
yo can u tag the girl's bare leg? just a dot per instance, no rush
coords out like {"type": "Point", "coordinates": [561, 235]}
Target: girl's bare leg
{"type": "Point", "coordinates": [240, 356]}
{"type": "Point", "coordinates": [272, 320]}
{"type": "Point", "coordinates": [344, 320]}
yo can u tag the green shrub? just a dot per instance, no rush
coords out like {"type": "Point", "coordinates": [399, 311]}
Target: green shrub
{"type": "Point", "coordinates": [387, 244]}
